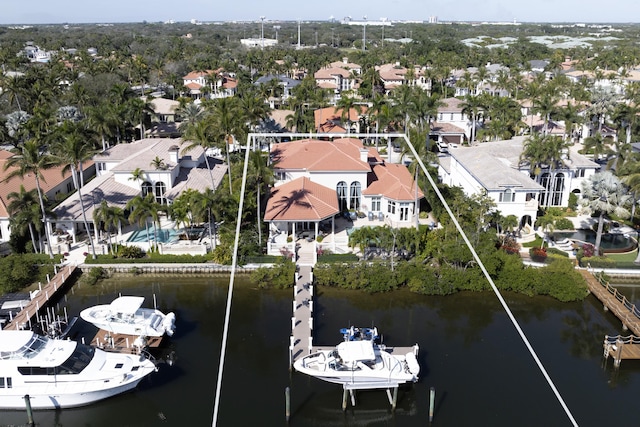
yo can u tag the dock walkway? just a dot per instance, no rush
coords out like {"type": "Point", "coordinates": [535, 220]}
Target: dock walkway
{"type": "Point", "coordinates": [302, 320]}
{"type": "Point", "coordinates": [614, 301]}
{"type": "Point", "coordinates": [24, 319]}
{"type": "Point", "coordinates": [617, 347]}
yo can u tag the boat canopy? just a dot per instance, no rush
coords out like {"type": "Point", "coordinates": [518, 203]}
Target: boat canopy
{"type": "Point", "coordinates": [353, 351]}
{"type": "Point", "coordinates": [14, 340]}
{"type": "Point", "coordinates": [126, 305]}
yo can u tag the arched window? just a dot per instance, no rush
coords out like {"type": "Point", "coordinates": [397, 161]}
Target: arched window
{"type": "Point", "coordinates": [341, 189]}
{"type": "Point", "coordinates": [161, 188]}
{"type": "Point", "coordinates": [557, 189]}
{"type": "Point", "coordinates": [543, 197]}
{"type": "Point", "coordinates": [147, 188]}
{"type": "Point", "coordinates": [507, 196]}
{"type": "Point", "coordinates": [354, 199]}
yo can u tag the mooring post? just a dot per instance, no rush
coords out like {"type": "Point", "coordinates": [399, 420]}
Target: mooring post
{"type": "Point", "coordinates": [432, 401]}
{"type": "Point", "coordinates": [27, 403]}
{"type": "Point", "coordinates": [618, 358]}
{"type": "Point", "coordinates": [344, 399]}
{"type": "Point", "coordinates": [287, 403]}
{"type": "Point", "coordinates": [395, 399]}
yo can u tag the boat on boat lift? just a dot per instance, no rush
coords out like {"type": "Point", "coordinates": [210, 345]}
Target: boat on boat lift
{"type": "Point", "coordinates": [361, 364]}
{"type": "Point", "coordinates": [125, 315]}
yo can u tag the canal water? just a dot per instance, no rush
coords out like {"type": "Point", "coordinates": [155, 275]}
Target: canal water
{"type": "Point", "coordinates": [469, 352]}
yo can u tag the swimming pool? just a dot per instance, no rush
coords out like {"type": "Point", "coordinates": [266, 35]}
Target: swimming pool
{"type": "Point", "coordinates": [611, 242]}
{"type": "Point", "coordinates": [169, 235]}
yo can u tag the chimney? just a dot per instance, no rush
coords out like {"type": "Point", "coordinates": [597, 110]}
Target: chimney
{"type": "Point", "coordinates": [364, 155]}
{"type": "Point", "coordinates": [173, 154]}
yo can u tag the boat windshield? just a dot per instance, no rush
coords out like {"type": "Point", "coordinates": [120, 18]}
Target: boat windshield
{"type": "Point", "coordinates": [79, 360]}
{"type": "Point", "coordinates": [29, 350]}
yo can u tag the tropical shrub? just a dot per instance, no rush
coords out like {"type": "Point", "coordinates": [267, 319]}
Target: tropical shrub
{"type": "Point", "coordinates": [131, 252]}
{"type": "Point", "coordinates": [538, 254]}
{"type": "Point", "coordinates": [564, 224]}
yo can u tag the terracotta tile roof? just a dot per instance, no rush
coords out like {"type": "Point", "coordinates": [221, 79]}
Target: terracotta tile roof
{"type": "Point", "coordinates": [327, 85]}
{"type": "Point", "coordinates": [346, 65]}
{"type": "Point", "coordinates": [391, 72]}
{"type": "Point", "coordinates": [52, 178]}
{"type": "Point", "coordinates": [451, 105]}
{"type": "Point", "coordinates": [197, 74]}
{"type": "Point", "coordinates": [392, 181]}
{"type": "Point", "coordinates": [301, 200]}
{"type": "Point", "coordinates": [229, 83]}
{"type": "Point", "coordinates": [193, 86]}
{"type": "Point", "coordinates": [332, 114]}
{"type": "Point", "coordinates": [445, 128]}
{"type": "Point", "coordinates": [313, 155]}
{"type": "Point", "coordinates": [328, 73]}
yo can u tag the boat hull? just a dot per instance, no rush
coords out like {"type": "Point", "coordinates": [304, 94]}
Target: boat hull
{"type": "Point", "coordinates": [145, 322]}
{"type": "Point", "coordinates": [59, 399]}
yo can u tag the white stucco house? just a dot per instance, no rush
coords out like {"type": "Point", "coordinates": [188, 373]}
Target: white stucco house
{"type": "Point", "coordinates": [317, 180]}
{"type": "Point", "coordinates": [166, 170]}
{"type": "Point", "coordinates": [53, 184]}
{"type": "Point", "coordinates": [494, 168]}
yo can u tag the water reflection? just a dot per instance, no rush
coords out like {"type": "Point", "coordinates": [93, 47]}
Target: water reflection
{"type": "Point", "coordinates": [469, 351]}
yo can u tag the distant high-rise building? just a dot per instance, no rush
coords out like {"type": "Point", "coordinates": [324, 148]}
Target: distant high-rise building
{"type": "Point", "coordinates": [433, 20]}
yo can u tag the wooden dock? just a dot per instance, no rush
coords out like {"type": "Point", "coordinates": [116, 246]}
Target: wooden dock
{"type": "Point", "coordinates": [617, 347]}
{"type": "Point", "coordinates": [121, 343]}
{"type": "Point", "coordinates": [615, 302]}
{"type": "Point", "coordinates": [32, 310]}
{"type": "Point", "coordinates": [302, 320]}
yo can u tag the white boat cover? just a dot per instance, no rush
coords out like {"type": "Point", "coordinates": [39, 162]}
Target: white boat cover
{"type": "Point", "coordinates": [126, 305]}
{"type": "Point", "coordinates": [353, 351]}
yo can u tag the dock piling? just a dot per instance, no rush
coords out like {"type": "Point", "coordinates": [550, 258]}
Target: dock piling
{"type": "Point", "coordinates": [432, 401]}
{"type": "Point", "coordinates": [287, 403]}
{"type": "Point", "coordinates": [27, 404]}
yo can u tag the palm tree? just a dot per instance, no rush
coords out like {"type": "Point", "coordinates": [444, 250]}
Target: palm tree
{"type": "Point", "coordinates": [190, 114]}
{"type": "Point", "coordinates": [472, 107]}
{"type": "Point", "coordinates": [604, 194]}
{"type": "Point", "coordinates": [597, 143]}
{"type": "Point", "coordinates": [72, 149]}
{"type": "Point", "coordinates": [207, 206]}
{"type": "Point", "coordinates": [31, 159]}
{"type": "Point", "coordinates": [345, 104]}
{"type": "Point", "coordinates": [200, 134]}
{"type": "Point", "coordinates": [24, 210]}
{"type": "Point", "coordinates": [101, 122]}
{"type": "Point", "coordinates": [158, 163]}
{"type": "Point", "coordinates": [262, 175]}
{"type": "Point", "coordinates": [141, 208]}
{"type": "Point", "coordinates": [112, 217]}
{"type": "Point", "coordinates": [227, 120]}
{"type": "Point", "coordinates": [137, 175]}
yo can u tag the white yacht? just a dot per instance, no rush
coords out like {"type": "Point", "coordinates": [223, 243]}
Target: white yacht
{"type": "Point", "coordinates": [125, 315]}
{"type": "Point", "coordinates": [59, 373]}
{"type": "Point", "coordinates": [361, 364]}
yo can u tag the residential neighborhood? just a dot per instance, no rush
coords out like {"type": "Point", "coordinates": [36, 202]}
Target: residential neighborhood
{"type": "Point", "coordinates": [406, 209]}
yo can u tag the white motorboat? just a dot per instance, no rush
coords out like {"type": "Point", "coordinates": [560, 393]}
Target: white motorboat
{"type": "Point", "coordinates": [361, 364]}
{"type": "Point", "coordinates": [59, 373]}
{"type": "Point", "coordinates": [125, 315]}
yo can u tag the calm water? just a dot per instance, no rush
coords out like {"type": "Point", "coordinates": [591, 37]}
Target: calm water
{"type": "Point", "coordinates": [470, 353]}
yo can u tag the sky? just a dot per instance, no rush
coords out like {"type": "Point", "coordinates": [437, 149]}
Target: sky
{"type": "Point", "coordinates": [112, 11]}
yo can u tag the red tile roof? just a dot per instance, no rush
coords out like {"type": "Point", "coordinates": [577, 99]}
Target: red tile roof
{"type": "Point", "coordinates": [301, 200]}
{"type": "Point", "coordinates": [313, 155]}
{"type": "Point", "coordinates": [52, 178]}
{"type": "Point", "coordinates": [392, 181]}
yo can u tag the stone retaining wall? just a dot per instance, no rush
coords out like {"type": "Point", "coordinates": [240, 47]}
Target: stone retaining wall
{"type": "Point", "coordinates": [173, 268]}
